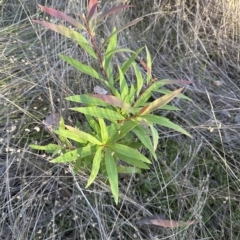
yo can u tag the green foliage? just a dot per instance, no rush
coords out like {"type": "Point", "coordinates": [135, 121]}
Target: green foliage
{"type": "Point", "coordinates": [118, 124]}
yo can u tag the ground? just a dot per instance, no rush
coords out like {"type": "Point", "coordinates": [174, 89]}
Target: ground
{"type": "Point", "coordinates": [192, 179]}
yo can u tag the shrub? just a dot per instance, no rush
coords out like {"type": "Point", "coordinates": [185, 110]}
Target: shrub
{"type": "Point", "coordinates": [120, 120]}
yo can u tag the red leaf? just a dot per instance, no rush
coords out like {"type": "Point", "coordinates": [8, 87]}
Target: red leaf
{"type": "Point", "coordinates": [113, 10]}
{"type": "Point", "coordinates": [61, 15]}
{"type": "Point", "coordinates": [92, 8]}
{"type": "Point", "coordinates": [114, 101]}
{"type": "Point", "coordinates": [92, 13]}
{"type": "Point", "coordinates": [158, 220]}
{"type": "Point", "coordinates": [146, 67]}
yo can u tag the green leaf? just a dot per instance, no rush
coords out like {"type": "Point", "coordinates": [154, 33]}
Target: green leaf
{"type": "Point", "coordinates": [123, 85]}
{"type": "Point", "coordinates": [104, 131]}
{"type": "Point", "coordinates": [128, 170]}
{"type": "Point", "coordinates": [88, 99]}
{"type": "Point", "coordinates": [131, 96]}
{"type": "Point", "coordinates": [61, 126]}
{"type": "Point", "coordinates": [95, 166]}
{"type": "Point", "coordinates": [122, 28]}
{"type": "Point", "coordinates": [99, 112]}
{"type": "Point", "coordinates": [122, 131]}
{"type": "Point", "coordinates": [149, 65]}
{"type": "Point", "coordinates": [155, 137]}
{"type": "Point", "coordinates": [135, 145]}
{"type": "Point", "coordinates": [148, 92]}
{"type": "Point", "coordinates": [117, 50]}
{"type": "Point", "coordinates": [128, 63]}
{"type": "Point", "coordinates": [143, 98]}
{"type": "Point", "coordinates": [170, 108]}
{"type": "Point", "coordinates": [131, 161]}
{"type": "Point", "coordinates": [75, 154]}
{"type": "Point", "coordinates": [78, 136]}
{"type": "Point", "coordinates": [112, 172]}
{"type": "Point", "coordinates": [93, 123]}
{"type": "Point", "coordinates": [107, 57]}
{"type": "Point", "coordinates": [165, 122]}
{"type": "Point", "coordinates": [61, 15]}
{"type": "Point", "coordinates": [82, 67]}
{"type": "Point", "coordinates": [48, 148]}
{"type": "Point", "coordinates": [88, 48]}
{"type": "Point", "coordinates": [69, 33]}
{"type": "Point", "coordinates": [139, 77]}
{"type": "Point", "coordinates": [160, 102]}
{"type": "Point", "coordinates": [129, 152]}
{"type": "Point", "coordinates": [70, 135]}
{"type": "Point", "coordinates": [141, 133]}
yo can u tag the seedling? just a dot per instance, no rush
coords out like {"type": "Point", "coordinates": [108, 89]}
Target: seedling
{"type": "Point", "coordinates": [120, 120]}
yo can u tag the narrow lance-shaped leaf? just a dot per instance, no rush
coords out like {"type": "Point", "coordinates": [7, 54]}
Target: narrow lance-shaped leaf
{"type": "Point", "coordinates": [70, 135]}
{"type": "Point", "coordinates": [107, 57]}
{"type": "Point", "coordinates": [128, 63]}
{"type": "Point", "coordinates": [89, 99]}
{"type": "Point", "coordinates": [144, 138]}
{"type": "Point", "coordinates": [131, 161]}
{"type": "Point", "coordinates": [166, 91]}
{"type": "Point", "coordinates": [155, 86]}
{"type": "Point", "coordinates": [107, 12]}
{"type": "Point", "coordinates": [122, 131]}
{"type": "Point", "coordinates": [69, 33]}
{"type": "Point", "coordinates": [164, 122]}
{"type": "Point", "coordinates": [118, 50]}
{"type": "Point", "coordinates": [155, 136]}
{"type": "Point", "coordinates": [95, 166]}
{"type": "Point", "coordinates": [114, 101]}
{"type": "Point", "coordinates": [127, 151]}
{"type": "Point", "coordinates": [141, 101]}
{"type": "Point", "coordinates": [122, 28]}
{"type": "Point", "coordinates": [93, 123]}
{"type": "Point", "coordinates": [131, 96]}
{"type": "Point", "coordinates": [160, 102]}
{"type": "Point", "coordinates": [92, 9]}
{"type": "Point", "coordinates": [61, 15]}
{"type": "Point", "coordinates": [112, 172]}
{"type": "Point", "coordinates": [75, 154]}
{"type": "Point", "coordinates": [149, 66]}
{"type": "Point", "coordinates": [48, 148]}
{"type": "Point", "coordinates": [128, 170]}
{"type": "Point", "coordinates": [82, 67]}
{"type": "Point", "coordinates": [123, 85]}
{"type": "Point", "coordinates": [100, 112]}
{"type": "Point", "coordinates": [64, 140]}
{"type": "Point", "coordinates": [86, 136]}
{"type": "Point", "coordinates": [77, 135]}
{"type": "Point", "coordinates": [104, 131]}
{"type": "Point", "coordinates": [170, 108]}
{"type": "Point", "coordinates": [139, 78]}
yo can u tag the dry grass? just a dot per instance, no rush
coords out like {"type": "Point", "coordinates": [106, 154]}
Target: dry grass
{"type": "Point", "coordinates": [193, 178]}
